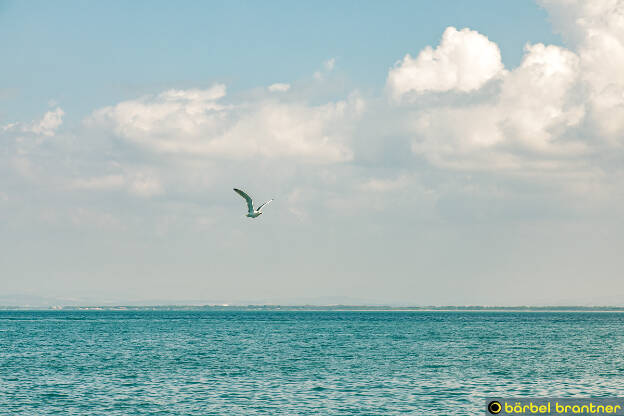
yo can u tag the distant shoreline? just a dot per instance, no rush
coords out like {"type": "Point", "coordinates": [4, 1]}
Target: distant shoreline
{"type": "Point", "coordinates": [318, 308]}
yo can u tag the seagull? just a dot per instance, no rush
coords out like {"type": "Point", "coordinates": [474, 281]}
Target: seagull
{"type": "Point", "coordinates": [253, 213]}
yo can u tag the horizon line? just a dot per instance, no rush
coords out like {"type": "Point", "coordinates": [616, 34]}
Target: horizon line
{"type": "Point", "coordinates": [338, 306]}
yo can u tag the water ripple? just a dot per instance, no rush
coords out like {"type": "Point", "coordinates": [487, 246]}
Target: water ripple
{"type": "Point", "coordinates": [305, 363]}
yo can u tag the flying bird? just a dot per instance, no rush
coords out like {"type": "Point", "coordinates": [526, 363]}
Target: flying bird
{"type": "Point", "coordinates": [253, 213]}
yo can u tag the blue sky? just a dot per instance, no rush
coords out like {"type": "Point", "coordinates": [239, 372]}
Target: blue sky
{"type": "Point", "coordinates": [418, 153]}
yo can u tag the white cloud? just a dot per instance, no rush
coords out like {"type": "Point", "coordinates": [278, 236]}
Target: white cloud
{"type": "Point", "coordinates": [579, 19]}
{"type": "Point", "coordinates": [596, 28]}
{"type": "Point", "coordinates": [151, 120]}
{"type": "Point", "coordinates": [329, 64]}
{"type": "Point", "coordinates": [464, 61]}
{"type": "Point", "coordinates": [552, 113]}
{"type": "Point", "coordinates": [195, 122]}
{"type": "Point", "coordinates": [47, 126]}
{"type": "Point", "coordinates": [536, 105]}
{"type": "Point", "coordinates": [279, 87]}
{"type": "Point", "coordinates": [524, 124]}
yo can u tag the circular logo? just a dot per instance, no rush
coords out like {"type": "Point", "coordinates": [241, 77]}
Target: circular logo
{"type": "Point", "coordinates": [494, 408]}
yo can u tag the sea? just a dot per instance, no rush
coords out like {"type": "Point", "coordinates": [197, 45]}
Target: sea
{"type": "Point", "coordinates": [303, 362]}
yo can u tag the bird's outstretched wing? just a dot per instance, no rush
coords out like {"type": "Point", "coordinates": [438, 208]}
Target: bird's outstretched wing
{"type": "Point", "coordinates": [247, 198]}
{"type": "Point", "coordinates": [260, 207]}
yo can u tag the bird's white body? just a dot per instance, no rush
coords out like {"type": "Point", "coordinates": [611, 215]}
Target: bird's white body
{"type": "Point", "coordinates": [253, 213]}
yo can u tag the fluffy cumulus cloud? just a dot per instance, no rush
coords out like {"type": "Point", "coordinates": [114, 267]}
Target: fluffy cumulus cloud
{"type": "Point", "coordinates": [553, 113]}
{"type": "Point", "coordinates": [526, 120]}
{"type": "Point", "coordinates": [464, 61]}
{"type": "Point", "coordinates": [597, 30]}
{"type": "Point", "coordinates": [196, 122]}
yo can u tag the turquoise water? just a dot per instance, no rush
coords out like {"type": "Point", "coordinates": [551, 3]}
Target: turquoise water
{"type": "Point", "coordinates": [300, 363]}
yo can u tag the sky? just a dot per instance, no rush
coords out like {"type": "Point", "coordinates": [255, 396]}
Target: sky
{"type": "Point", "coordinates": [440, 153]}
